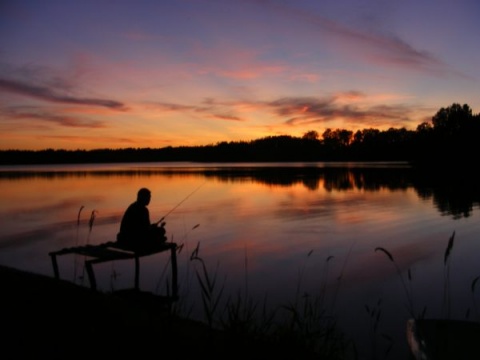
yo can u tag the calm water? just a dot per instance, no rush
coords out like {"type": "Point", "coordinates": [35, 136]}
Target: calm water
{"type": "Point", "coordinates": [271, 232]}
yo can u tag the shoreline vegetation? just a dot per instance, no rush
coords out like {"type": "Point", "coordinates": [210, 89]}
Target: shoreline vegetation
{"type": "Point", "coordinates": [58, 319]}
{"type": "Point", "coordinates": [44, 316]}
{"type": "Point", "coordinates": [449, 139]}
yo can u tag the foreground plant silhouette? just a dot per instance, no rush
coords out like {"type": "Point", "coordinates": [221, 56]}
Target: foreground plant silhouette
{"type": "Point", "coordinates": [375, 314]}
{"type": "Point", "coordinates": [447, 303]}
{"type": "Point", "coordinates": [91, 222]}
{"type": "Point", "coordinates": [307, 330]}
{"type": "Point", "coordinates": [210, 297]}
{"type": "Point", "coordinates": [446, 275]}
{"type": "Point", "coordinates": [408, 292]}
{"type": "Point", "coordinates": [474, 304]}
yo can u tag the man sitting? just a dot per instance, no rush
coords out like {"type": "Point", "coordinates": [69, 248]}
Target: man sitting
{"type": "Point", "coordinates": [136, 231]}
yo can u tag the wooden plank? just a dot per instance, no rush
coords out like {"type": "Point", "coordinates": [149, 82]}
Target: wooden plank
{"type": "Point", "coordinates": [80, 249]}
{"type": "Point", "coordinates": [111, 251]}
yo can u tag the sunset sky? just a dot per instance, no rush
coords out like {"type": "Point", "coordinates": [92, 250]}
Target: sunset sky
{"type": "Point", "coordinates": [116, 74]}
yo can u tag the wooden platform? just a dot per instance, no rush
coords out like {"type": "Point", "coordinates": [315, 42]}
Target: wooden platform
{"type": "Point", "coordinates": [111, 251]}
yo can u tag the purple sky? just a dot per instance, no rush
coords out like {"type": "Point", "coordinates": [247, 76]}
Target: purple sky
{"type": "Point", "coordinates": [115, 74]}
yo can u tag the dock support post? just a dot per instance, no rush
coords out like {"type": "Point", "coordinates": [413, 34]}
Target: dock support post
{"type": "Point", "coordinates": [91, 275]}
{"type": "Point", "coordinates": [55, 265]}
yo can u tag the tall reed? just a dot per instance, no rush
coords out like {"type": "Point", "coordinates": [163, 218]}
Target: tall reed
{"type": "Point", "coordinates": [78, 223]}
{"type": "Point", "coordinates": [301, 273]}
{"type": "Point", "coordinates": [179, 306]}
{"type": "Point", "coordinates": [446, 276]}
{"type": "Point", "coordinates": [311, 320]}
{"type": "Point", "coordinates": [240, 313]}
{"type": "Point", "coordinates": [91, 221]}
{"type": "Point", "coordinates": [307, 326]}
{"type": "Point", "coordinates": [77, 236]}
{"type": "Point", "coordinates": [474, 303]}
{"type": "Point", "coordinates": [408, 292]}
{"type": "Point", "coordinates": [178, 249]}
{"type": "Point", "coordinates": [210, 295]}
{"type": "Point", "coordinates": [446, 280]}
{"type": "Point", "coordinates": [340, 277]}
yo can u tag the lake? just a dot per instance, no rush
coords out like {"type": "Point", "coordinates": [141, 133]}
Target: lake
{"type": "Point", "coordinates": [275, 233]}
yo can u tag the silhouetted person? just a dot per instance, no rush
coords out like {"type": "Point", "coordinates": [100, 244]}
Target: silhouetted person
{"type": "Point", "coordinates": [136, 230]}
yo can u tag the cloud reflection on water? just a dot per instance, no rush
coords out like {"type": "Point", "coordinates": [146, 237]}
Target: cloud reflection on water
{"type": "Point", "coordinates": [255, 226]}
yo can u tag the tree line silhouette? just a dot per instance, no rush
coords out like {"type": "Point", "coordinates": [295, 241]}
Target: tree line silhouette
{"type": "Point", "coordinates": [450, 138]}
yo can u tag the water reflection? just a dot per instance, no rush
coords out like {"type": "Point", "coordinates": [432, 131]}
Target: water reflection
{"type": "Point", "coordinates": [452, 194]}
{"type": "Point", "coordinates": [269, 229]}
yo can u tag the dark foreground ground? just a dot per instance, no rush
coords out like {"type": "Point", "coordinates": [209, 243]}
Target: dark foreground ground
{"type": "Point", "coordinates": [46, 318]}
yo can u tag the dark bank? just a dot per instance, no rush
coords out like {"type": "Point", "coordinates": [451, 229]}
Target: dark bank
{"type": "Point", "coordinates": [55, 319]}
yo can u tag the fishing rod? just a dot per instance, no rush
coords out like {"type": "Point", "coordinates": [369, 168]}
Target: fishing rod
{"type": "Point", "coordinates": [180, 203]}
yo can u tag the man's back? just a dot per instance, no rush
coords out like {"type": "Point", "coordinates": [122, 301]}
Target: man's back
{"type": "Point", "coordinates": [135, 224]}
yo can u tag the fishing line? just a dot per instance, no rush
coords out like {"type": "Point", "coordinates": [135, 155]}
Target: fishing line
{"type": "Point", "coordinates": [180, 203]}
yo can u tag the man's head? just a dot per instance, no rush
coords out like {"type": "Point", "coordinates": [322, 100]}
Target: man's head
{"type": "Point", "coordinates": [144, 196]}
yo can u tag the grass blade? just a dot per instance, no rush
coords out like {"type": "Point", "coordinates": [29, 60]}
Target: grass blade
{"type": "Point", "coordinates": [474, 282]}
{"type": "Point", "coordinates": [449, 248]}
{"type": "Point", "coordinates": [386, 253]}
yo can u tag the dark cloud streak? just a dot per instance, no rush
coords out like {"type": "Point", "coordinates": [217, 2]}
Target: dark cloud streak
{"type": "Point", "coordinates": [32, 113]}
{"type": "Point", "coordinates": [211, 109]}
{"type": "Point", "coordinates": [45, 93]}
{"type": "Point", "coordinates": [309, 110]}
{"type": "Point", "coordinates": [227, 117]}
{"type": "Point", "coordinates": [301, 111]}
